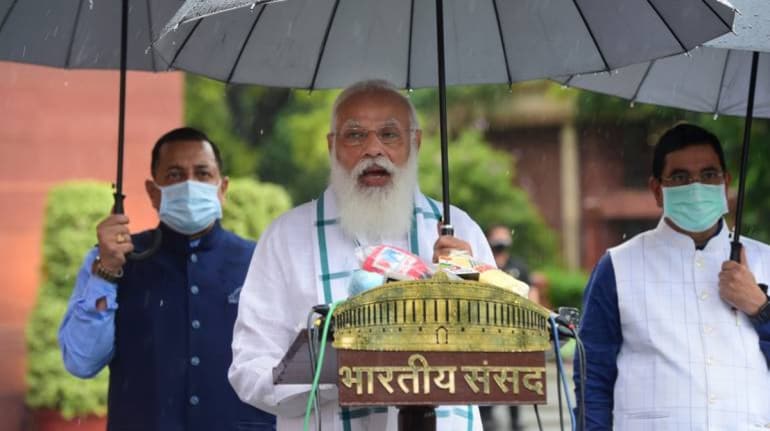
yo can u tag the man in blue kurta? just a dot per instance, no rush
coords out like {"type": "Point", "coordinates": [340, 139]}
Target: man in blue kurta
{"type": "Point", "coordinates": [164, 325]}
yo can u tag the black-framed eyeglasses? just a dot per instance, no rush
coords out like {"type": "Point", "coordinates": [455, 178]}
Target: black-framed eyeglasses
{"type": "Point", "coordinates": [707, 176]}
{"type": "Point", "coordinates": [356, 136]}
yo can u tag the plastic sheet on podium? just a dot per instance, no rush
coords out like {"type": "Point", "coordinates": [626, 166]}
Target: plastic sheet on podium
{"type": "Point", "coordinates": [295, 369]}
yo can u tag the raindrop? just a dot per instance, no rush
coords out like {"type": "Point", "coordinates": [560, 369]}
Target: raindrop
{"type": "Point", "coordinates": [253, 5]}
{"type": "Point", "coordinates": [716, 116]}
{"type": "Point", "coordinates": [624, 236]}
{"type": "Point", "coordinates": [410, 90]}
{"type": "Point", "coordinates": [632, 104]}
{"type": "Point", "coordinates": [687, 54]}
{"type": "Point", "coordinates": [564, 86]}
{"type": "Point", "coordinates": [147, 50]}
{"type": "Point", "coordinates": [161, 302]}
{"type": "Point", "coordinates": [176, 26]}
{"type": "Point", "coordinates": [261, 132]}
{"type": "Point", "coordinates": [90, 4]}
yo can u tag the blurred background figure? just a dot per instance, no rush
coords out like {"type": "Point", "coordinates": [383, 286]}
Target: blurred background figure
{"type": "Point", "coordinates": [501, 242]}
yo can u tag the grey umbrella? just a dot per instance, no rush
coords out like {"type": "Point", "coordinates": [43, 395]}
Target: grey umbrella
{"type": "Point", "coordinates": [420, 43]}
{"type": "Point", "coordinates": [730, 75]}
{"type": "Point", "coordinates": [93, 34]}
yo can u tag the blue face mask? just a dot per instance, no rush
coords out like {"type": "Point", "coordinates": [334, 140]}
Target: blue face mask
{"type": "Point", "coordinates": [694, 207]}
{"type": "Point", "coordinates": [189, 207]}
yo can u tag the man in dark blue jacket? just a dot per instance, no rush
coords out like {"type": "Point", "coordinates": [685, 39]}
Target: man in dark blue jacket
{"type": "Point", "coordinates": [164, 325]}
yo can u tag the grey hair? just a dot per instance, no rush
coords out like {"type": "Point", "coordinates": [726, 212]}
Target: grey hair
{"type": "Point", "coordinates": [373, 85]}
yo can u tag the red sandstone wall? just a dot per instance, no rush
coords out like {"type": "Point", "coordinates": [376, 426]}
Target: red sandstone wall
{"type": "Point", "coordinates": [57, 125]}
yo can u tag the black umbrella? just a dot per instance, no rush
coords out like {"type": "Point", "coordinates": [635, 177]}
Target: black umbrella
{"type": "Point", "coordinates": [719, 78]}
{"type": "Point", "coordinates": [81, 34]}
{"type": "Point", "coordinates": [332, 43]}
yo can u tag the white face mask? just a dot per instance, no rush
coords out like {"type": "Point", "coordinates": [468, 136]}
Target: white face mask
{"type": "Point", "coordinates": [189, 207]}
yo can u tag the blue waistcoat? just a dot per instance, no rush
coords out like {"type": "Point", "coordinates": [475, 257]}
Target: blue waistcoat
{"type": "Point", "coordinates": [173, 334]}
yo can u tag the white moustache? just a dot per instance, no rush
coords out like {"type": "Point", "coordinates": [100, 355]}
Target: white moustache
{"type": "Point", "coordinates": [380, 162]}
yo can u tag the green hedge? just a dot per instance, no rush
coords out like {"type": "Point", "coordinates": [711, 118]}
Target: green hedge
{"type": "Point", "coordinates": [565, 287]}
{"type": "Point", "coordinates": [72, 212]}
{"type": "Point", "coordinates": [251, 206]}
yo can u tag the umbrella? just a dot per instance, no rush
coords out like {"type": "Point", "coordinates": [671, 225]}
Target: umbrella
{"type": "Point", "coordinates": [83, 35]}
{"type": "Point", "coordinates": [332, 43]}
{"type": "Point", "coordinates": [730, 75]}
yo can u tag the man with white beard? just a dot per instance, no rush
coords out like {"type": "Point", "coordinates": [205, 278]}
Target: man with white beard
{"type": "Point", "coordinates": [307, 255]}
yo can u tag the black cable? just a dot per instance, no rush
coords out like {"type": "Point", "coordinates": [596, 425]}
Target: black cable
{"type": "Point", "coordinates": [582, 358]}
{"type": "Point", "coordinates": [312, 348]}
{"type": "Point", "coordinates": [558, 386]}
{"type": "Point", "coordinates": [537, 415]}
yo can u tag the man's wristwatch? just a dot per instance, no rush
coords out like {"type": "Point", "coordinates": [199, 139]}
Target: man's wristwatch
{"type": "Point", "coordinates": [763, 315]}
{"type": "Point", "coordinates": [102, 272]}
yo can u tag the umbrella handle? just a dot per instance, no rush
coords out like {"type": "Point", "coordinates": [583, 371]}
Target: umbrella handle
{"type": "Point", "coordinates": [157, 239]}
{"type": "Point", "coordinates": [735, 251]}
{"type": "Point", "coordinates": [157, 234]}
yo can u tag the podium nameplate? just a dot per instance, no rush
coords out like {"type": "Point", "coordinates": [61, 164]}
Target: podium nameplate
{"type": "Point", "coordinates": [445, 378]}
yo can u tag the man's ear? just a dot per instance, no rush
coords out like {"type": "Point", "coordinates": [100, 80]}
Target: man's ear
{"type": "Point", "coordinates": [656, 188]}
{"type": "Point", "coordinates": [153, 193]}
{"type": "Point", "coordinates": [223, 189]}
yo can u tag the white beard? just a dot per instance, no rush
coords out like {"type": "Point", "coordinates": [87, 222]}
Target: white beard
{"type": "Point", "coordinates": [372, 214]}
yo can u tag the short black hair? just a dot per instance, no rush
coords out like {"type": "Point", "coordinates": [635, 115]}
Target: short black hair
{"type": "Point", "coordinates": [682, 136]}
{"type": "Point", "coordinates": [183, 134]}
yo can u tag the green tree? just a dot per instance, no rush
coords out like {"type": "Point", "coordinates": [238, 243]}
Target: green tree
{"type": "Point", "coordinates": [237, 117]}
{"type": "Point", "coordinates": [296, 154]}
{"type": "Point", "coordinates": [480, 182]}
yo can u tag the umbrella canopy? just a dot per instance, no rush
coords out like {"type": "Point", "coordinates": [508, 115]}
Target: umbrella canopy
{"type": "Point", "coordinates": [80, 34]}
{"type": "Point", "coordinates": [730, 75]}
{"type": "Point", "coordinates": [77, 34]}
{"type": "Point", "coordinates": [713, 78]}
{"type": "Point", "coordinates": [332, 43]}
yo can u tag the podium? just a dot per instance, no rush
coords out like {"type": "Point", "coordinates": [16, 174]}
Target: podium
{"type": "Point", "coordinates": [419, 344]}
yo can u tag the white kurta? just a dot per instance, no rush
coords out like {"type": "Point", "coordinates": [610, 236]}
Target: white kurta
{"type": "Point", "coordinates": [304, 259]}
{"type": "Point", "coordinates": [687, 361]}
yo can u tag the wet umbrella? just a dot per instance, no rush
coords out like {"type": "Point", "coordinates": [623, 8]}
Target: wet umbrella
{"type": "Point", "coordinates": [730, 75]}
{"type": "Point", "coordinates": [79, 34]}
{"type": "Point", "coordinates": [419, 43]}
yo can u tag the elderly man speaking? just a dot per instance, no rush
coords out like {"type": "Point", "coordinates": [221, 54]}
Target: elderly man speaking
{"type": "Point", "coordinates": [307, 255]}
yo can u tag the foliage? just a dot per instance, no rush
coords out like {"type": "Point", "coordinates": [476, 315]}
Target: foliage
{"type": "Point", "coordinates": [296, 155]}
{"type": "Point", "coordinates": [207, 109]}
{"type": "Point", "coordinates": [251, 206]}
{"type": "Point", "coordinates": [480, 182]}
{"type": "Point", "coordinates": [72, 212]}
{"type": "Point", "coordinates": [565, 287]}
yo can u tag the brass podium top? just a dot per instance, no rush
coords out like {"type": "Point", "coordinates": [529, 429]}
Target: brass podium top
{"type": "Point", "coordinates": [440, 315]}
